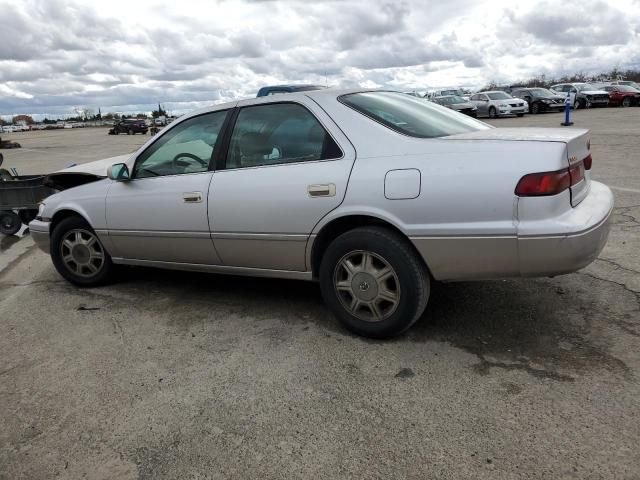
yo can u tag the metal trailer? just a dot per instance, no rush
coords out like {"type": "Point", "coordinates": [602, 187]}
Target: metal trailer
{"type": "Point", "coordinates": [20, 196]}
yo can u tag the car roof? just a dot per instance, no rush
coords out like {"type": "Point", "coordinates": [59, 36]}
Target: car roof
{"type": "Point", "coordinates": [313, 94]}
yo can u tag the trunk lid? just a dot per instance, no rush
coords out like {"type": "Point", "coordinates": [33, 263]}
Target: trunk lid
{"type": "Point", "coordinates": [576, 140]}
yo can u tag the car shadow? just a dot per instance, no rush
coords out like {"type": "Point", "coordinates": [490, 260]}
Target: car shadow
{"type": "Point", "coordinates": [547, 327]}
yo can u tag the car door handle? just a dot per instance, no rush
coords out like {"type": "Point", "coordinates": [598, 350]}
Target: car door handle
{"type": "Point", "coordinates": [192, 197]}
{"type": "Point", "coordinates": [328, 190]}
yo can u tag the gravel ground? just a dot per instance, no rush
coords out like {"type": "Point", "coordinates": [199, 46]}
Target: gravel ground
{"type": "Point", "coordinates": [182, 375]}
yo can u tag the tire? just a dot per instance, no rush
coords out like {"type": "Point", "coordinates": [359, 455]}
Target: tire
{"type": "Point", "coordinates": [77, 270]}
{"type": "Point", "coordinates": [406, 282]}
{"type": "Point", "coordinates": [535, 108]}
{"type": "Point", "coordinates": [626, 102]}
{"type": "Point", "coordinates": [116, 132]}
{"type": "Point", "coordinates": [131, 132]}
{"type": "Point", "coordinates": [10, 222]}
{"type": "Point", "coordinates": [576, 104]}
{"type": "Point", "coordinates": [492, 112]}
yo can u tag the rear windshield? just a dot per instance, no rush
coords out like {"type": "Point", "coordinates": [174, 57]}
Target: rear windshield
{"type": "Point", "coordinates": [410, 115]}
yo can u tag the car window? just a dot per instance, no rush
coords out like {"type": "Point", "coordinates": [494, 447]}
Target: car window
{"type": "Point", "coordinates": [409, 115]}
{"type": "Point", "coordinates": [185, 148]}
{"type": "Point", "coordinates": [498, 96]}
{"type": "Point", "coordinates": [278, 133]}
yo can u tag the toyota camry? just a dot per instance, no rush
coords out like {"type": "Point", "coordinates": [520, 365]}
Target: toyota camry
{"type": "Point", "coordinates": [374, 194]}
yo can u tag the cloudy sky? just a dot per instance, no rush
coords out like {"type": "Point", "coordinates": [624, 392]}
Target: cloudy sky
{"type": "Point", "coordinates": [128, 55]}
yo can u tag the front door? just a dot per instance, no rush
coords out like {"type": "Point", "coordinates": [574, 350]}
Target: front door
{"type": "Point", "coordinates": [287, 166]}
{"type": "Point", "coordinates": [161, 213]}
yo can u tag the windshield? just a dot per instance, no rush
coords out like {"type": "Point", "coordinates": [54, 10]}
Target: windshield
{"type": "Point", "coordinates": [543, 92]}
{"type": "Point", "coordinates": [626, 88]}
{"type": "Point", "coordinates": [585, 86]}
{"type": "Point", "coordinates": [450, 100]}
{"type": "Point", "coordinates": [453, 91]}
{"type": "Point", "coordinates": [410, 115]}
{"type": "Point", "coordinates": [498, 95]}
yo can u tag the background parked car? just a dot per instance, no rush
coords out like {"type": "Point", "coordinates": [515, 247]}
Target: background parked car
{"type": "Point", "coordinates": [443, 92]}
{"type": "Point", "coordinates": [622, 95]}
{"type": "Point", "coordinates": [540, 99]}
{"type": "Point", "coordinates": [497, 103]}
{"type": "Point", "coordinates": [130, 127]}
{"type": "Point", "coordinates": [459, 104]}
{"type": "Point", "coordinates": [278, 89]}
{"type": "Point", "coordinates": [583, 95]}
{"type": "Point", "coordinates": [628, 83]}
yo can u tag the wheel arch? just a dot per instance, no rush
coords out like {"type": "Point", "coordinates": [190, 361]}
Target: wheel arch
{"type": "Point", "coordinates": [337, 226]}
{"type": "Point", "coordinates": [63, 213]}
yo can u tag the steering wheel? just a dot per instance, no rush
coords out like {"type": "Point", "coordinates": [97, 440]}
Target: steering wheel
{"type": "Point", "coordinates": [176, 163]}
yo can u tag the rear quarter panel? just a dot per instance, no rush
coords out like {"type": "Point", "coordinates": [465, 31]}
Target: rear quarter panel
{"type": "Point", "coordinates": [464, 220]}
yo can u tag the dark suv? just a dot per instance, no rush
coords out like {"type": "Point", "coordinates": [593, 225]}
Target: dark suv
{"type": "Point", "coordinates": [130, 127]}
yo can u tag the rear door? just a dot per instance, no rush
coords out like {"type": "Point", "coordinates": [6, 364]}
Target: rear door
{"type": "Point", "coordinates": [287, 165]}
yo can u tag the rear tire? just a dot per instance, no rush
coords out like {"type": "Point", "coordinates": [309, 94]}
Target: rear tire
{"type": "Point", "coordinates": [78, 254]}
{"type": "Point", "coordinates": [10, 222]}
{"type": "Point", "coordinates": [374, 282]}
{"type": "Point", "coordinates": [626, 102]}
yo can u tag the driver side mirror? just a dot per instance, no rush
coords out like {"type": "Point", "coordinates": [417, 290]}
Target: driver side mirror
{"type": "Point", "coordinates": [119, 172]}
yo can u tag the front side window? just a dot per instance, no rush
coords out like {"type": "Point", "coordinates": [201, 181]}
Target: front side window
{"type": "Point", "coordinates": [186, 148]}
{"type": "Point", "coordinates": [278, 133]}
{"type": "Point", "coordinates": [411, 116]}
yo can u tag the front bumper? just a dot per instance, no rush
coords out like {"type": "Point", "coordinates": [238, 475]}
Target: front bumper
{"type": "Point", "coordinates": [512, 110]}
{"type": "Point", "coordinates": [568, 242]}
{"type": "Point", "coordinates": [39, 231]}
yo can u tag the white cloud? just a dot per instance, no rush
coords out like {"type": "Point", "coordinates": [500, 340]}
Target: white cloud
{"type": "Point", "coordinates": [124, 55]}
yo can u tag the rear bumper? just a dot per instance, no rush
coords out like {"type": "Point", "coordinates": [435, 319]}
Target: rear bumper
{"type": "Point", "coordinates": [569, 242]}
{"type": "Point", "coordinates": [40, 233]}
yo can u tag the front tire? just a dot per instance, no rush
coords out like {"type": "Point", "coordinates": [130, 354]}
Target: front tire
{"type": "Point", "coordinates": [374, 282]}
{"type": "Point", "coordinates": [78, 253]}
{"type": "Point", "coordinates": [535, 108]}
{"type": "Point", "coordinates": [626, 102]}
{"type": "Point", "coordinates": [493, 113]}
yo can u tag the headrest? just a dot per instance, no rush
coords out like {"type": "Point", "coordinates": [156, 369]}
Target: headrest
{"type": "Point", "coordinates": [255, 143]}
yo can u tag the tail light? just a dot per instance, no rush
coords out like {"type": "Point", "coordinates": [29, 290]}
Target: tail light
{"type": "Point", "coordinates": [587, 162]}
{"type": "Point", "coordinates": [550, 183]}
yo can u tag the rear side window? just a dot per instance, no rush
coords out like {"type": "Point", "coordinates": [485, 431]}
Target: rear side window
{"type": "Point", "coordinates": [410, 115]}
{"type": "Point", "coordinates": [278, 133]}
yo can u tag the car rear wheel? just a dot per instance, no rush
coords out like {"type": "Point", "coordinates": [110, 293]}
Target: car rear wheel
{"type": "Point", "coordinates": [78, 253]}
{"type": "Point", "coordinates": [626, 102]}
{"type": "Point", "coordinates": [374, 282]}
{"type": "Point", "coordinates": [492, 112]}
{"type": "Point", "coordinates": [10, 222]}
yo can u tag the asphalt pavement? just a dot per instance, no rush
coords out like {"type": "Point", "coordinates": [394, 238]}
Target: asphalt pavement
{"type": "Point", "coordinates": [193, 376]}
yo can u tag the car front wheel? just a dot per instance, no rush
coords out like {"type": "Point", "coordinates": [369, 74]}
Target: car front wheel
{"type": "Point", "coordinates": [374, 282]}
{"type": "Point", "coordinates": [78, 253]}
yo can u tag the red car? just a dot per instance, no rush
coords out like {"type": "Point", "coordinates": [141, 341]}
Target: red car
{"type": "Point", "coordinates": [622, 95]}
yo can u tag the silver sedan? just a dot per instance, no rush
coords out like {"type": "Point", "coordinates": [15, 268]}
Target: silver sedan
{"type": "Point", "coordinates": [374, 194]}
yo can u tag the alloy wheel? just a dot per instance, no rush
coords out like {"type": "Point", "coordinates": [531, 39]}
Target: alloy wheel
{"type": "Point", "coordinates": [367, 285]}
{"type": "Point", "coordinates": [82, 253]}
